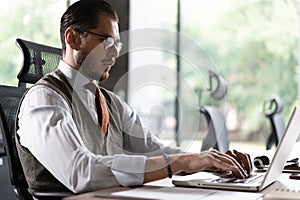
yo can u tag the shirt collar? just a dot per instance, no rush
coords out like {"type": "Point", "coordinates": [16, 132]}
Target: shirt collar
{"type": "Point", "coordinates": [75, 78]}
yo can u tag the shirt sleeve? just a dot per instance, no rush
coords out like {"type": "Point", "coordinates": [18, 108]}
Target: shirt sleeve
{"type": "Point", "coordinates": [47, 129]}
{"type": "Point", "coordinates": [137, 138]}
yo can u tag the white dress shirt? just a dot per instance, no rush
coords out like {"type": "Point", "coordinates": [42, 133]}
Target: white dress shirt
{"type": "Point", "coordinates": [48, 131]}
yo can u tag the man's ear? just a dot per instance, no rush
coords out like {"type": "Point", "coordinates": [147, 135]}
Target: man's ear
{"type": "Point", "coordinates": [72, 38]}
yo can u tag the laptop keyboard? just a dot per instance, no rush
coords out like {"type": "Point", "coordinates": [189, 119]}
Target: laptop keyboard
{"type": "Point", "coordinates": [252, 178]}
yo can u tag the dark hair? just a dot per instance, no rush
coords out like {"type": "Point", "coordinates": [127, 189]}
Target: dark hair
{"type": "Point", "coordinates": [84, 15]}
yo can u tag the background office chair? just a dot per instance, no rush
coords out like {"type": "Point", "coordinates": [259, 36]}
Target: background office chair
{"type": "Point", "coordinates": [217, 135]}
{"type": "Point", "coordinates": [9, 102]}
{"type": "Point", "coordinates": [38, 59]}
{"type": "Point", "coordinates": [273, 112]}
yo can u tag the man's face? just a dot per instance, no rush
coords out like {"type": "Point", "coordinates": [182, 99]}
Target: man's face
{"type": "Point", "coordinates": [94, 59]}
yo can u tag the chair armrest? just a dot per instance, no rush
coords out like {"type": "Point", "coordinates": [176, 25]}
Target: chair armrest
{"type": "Point", "coordinates": [53, 195]}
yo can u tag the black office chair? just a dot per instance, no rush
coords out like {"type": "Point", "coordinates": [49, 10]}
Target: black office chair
{"type": "Point", "coordinates": [272, 110]}
{"type": "Point", "coordinates": [9, 102]}
{"type": "Point", "coordinates": [38, 60]}
{"type": "Point", "coordinates": [6, 191]}
{"type": "Point", "coordinates": [217, 135]}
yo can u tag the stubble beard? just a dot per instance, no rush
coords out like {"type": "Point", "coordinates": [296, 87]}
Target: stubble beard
{"type": "Point", "coordinates": [80, 60]}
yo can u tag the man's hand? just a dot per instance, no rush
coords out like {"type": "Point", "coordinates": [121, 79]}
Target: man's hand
{"type": "Point", "coordinates": [236, 163]}
{"type": "Point", "coordinates": [244, 160]}
{"type": "Point", "coordinates": [239, 164]}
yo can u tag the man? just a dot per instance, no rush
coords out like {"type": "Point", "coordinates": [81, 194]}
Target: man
{"type": "Point", "coordinates": [68, 142]}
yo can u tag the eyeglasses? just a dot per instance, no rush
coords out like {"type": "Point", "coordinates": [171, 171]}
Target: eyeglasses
{"type": "Point", "coordinates": [108, 40]}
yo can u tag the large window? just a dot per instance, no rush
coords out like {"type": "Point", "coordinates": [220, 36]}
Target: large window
{"type": "Point", "coordinates": [252, 44]}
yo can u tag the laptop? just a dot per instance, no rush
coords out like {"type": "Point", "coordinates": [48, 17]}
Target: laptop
{"type": "Point", "coordinates": [257, 181]}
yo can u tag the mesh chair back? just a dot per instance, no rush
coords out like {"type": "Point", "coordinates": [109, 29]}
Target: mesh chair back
{"type": "Point", "coordinates": [38, 60]}
{"type": "Point", "coordinates": [9, 102]}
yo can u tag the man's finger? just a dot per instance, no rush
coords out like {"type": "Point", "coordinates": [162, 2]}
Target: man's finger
{"type": "Point", "coordinates": [225, 162]}
{"type": "Point", "coordinates": [245, 159]}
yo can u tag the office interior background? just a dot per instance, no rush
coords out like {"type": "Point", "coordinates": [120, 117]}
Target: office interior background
{"type": "Point", "coordinates": [170, 46]}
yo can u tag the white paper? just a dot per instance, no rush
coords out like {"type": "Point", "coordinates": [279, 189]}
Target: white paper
{"type": "Point", "coordinates": [181, 193]}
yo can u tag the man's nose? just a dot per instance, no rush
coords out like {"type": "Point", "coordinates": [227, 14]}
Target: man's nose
{"type": "Point", "coordinates": [113, 51]}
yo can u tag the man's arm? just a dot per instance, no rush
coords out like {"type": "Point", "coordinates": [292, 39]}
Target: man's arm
{"type": "Point", "coordinates": [137, 138]}
{"type": "Point", "coordinates": [237, 163]}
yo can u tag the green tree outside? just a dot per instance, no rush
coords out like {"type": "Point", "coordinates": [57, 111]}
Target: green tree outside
{"type": "Point", "coordinates": [37, 20]}
{"type": "Point", "coordinates": [254, 45]}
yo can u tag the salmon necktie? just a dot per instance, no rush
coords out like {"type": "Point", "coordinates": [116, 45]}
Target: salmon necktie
{"type": "Point", "coordinates": [101, 108]}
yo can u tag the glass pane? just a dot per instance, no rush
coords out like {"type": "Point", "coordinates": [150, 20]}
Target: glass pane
{"type": "Point", "coordinates": [36, 21]}
{"type": "Point", "coordinates": [253, 46]}
{"type": "Point", "coordinates": [152, 57]}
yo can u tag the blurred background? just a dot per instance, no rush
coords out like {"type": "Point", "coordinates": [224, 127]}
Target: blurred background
{"type": "Point", "coordinates": [253, 45]}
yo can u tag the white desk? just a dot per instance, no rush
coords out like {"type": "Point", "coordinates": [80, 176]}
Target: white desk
{"type": "Point", "coordinates": [166, 186]}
